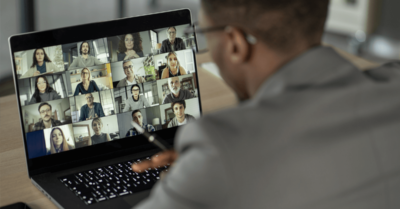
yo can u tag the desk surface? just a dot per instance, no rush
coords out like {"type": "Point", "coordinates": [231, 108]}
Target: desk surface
{"type": "Point", "coordinates": [15, 186]}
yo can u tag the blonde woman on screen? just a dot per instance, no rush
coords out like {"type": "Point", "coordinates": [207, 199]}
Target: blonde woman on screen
{"type": "Point", "coordinates": [58, 143]}
{"type": "Point", "coordinates": [173, 68]}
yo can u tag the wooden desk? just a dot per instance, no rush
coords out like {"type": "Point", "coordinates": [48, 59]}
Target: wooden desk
{"type": "Point", "coordinates": [15, 186]}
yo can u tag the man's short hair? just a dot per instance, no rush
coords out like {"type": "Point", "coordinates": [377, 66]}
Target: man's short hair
{"type": "Point", "coordinates": [182, 102]}
{"type": "Point", "coordinates": [135, 111]}
{"type": "Point", "coordinates": [125, 61]}
{"type": "Point", "coordinates": [279, 24]}
{"type": "Point", "coordinates": [134, 86]}
{"type": "Point", "coordinates": [90, 95]}
{"type": "Point", "coordinates": [171, 27]}
{"type": "Point", "coordinates": [42, 104]}
{"type": "Point", "coordinates": [82, 46]}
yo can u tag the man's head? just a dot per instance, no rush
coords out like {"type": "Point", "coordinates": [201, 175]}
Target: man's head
{"type": "Point", "coordinates": [137, 117]}
{"type": "Point", "coordinates": [174, 84]}
{"type": "Point", "coordinates": [135, 89]}
{"type": "Point", "coordinates": [45, 111]}
{"type": "Point", "coordinates": [179, 109]}
{"type": "Point", "coordinates": [85, 48]}
{"type": "Point", "coordinates": [283, 30]}
{"type": "Point", "coordinates": [89, 98]}
{"type": "Point", "coordinates": [171, 32]}
{"type": "Point", "coordinates": [128, 68]}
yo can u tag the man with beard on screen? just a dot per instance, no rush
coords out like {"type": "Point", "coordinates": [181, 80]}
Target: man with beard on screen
{"type": "Point", "coordinates": [84, 60]}
{"type": "Point", "coordinates": [177, 93]}
{"type": "Point", "coordinates": [46, 121]}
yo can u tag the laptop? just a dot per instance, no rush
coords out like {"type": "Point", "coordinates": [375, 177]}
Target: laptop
{"type": "Point", "coordinates": [79, 89]}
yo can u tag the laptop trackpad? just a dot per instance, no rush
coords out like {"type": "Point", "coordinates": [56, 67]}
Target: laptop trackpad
{"type": "Point", "coordinates": [137, 197]}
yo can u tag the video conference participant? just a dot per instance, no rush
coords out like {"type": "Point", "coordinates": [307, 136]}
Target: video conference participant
{"type": "Point", "coordinates": [43, 91]}
{"type": "Point", "coordinates": [130, 78]}
{"type": "Point", "coordinates": [136, 101]}
{"type": "Point", "coordinates": [180, 117]}
{"type": "Point", "coordinates": [41, 64]}
{"type": "Point", "coordinates": [138, 118]}
{"type": "Point", "coordinates": [84, 60]}
{"type": "Point", "coordinates": [98, 136]}
{"type": "Point", "coordinates": [87, 85]}
{"type": "Point", "coordinates": [58, 143]}
{"type": "Point", "coordinates": [45, 111]}
{"type": "Point", "coordinates": [130, 47]}
{"type": "Point", "coordinates": [177, 93]}
{"type": "Point", "coordinates": [173, 67]}
{"type": "Point", "coordinates": [91, 109]}
{"type": "Point", "coordinates": [172, 43]}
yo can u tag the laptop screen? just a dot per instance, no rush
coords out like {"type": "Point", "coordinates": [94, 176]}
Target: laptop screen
{"type": "Point", "coordinates": [80, 94]}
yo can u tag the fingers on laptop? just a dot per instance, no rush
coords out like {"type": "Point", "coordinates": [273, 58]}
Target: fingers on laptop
{"type": "Point", "coordinates": [160, 159]}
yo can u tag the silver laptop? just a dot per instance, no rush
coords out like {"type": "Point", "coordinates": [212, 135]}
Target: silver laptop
{"type": "Point", "coordinates": [80, 88]}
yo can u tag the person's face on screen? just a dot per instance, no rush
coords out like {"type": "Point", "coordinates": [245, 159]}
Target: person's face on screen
{"type": "Point", "coordinates": [89, 99]}
{"type": "Point", "coordinates": [85, 48]}
{"type": "Point", "coordinates": [171, 34]}
{"type": "Point", "coordinates": [129, 42]}
{"type": "Point", "coordinates": [85, 74]}
{"type": "Point", "coordinates": [57, 138]}
{"type": "Point", "coordinates": [97, 127]}
{"type": "Point", "coordinates": [137, 118]}
{"type": "Point", "coordinates": [39, 55]}
{"type": "Point", "coordinates": [41, 84]}
{"type": "Point", "coordinates": [172, 61]}
{"type": "Point", "coordinates": [45, 113]}
{"type": "Point", "coordinates": [179, 111]}
{"type": "Point", "coordinates": [174, 84]}
{"type": "Point", "coordinates": [128, 69]}
{"type": "Point", "coordinates": [135, 91]}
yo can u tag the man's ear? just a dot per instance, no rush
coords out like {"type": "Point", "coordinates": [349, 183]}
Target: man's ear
{"type": "Point", "coordinates": [238, 48]}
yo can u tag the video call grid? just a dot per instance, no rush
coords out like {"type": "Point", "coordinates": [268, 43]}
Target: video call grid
{"type": "Point", "coordinates": [63, 74]}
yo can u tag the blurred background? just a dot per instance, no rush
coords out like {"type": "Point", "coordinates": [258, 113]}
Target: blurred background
{"type": "Point", "coordinates": [366, 28]}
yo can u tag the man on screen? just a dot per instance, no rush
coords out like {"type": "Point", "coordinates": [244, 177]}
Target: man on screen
{"type": "Point", "coordinates": [180, 118]}
{"type": "Point", "coordinates": [177, 93]}
{"type": "Point", "coordinates": [172, 43]}
{"type": "Point", "coordinates": [84, 60]}
{"type": "Point", "coordinates": [130, 78]}
{"type": "Point", "coordinates": [138, 118]}
{"type": "Point", "coordinates": [46, 121]}
{"type": "Point", "coordinates": [91, 109]}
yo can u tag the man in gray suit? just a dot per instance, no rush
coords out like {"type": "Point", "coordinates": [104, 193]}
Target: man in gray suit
{"type": "Point", "coordinates": [313, 131]}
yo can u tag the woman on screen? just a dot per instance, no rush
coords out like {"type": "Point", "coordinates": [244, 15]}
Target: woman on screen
{"type": "Point", "coordinates": [136, 101]}
{"type": "Point", "coordinates": [87, 85]}
{"type": "Point", "coordinates": [41, 64]}
{"type": "Point", "coordinates": [58, 143]}
{"type": "Point", "coordinates": [173, 67]}
{"type": "Point", "coordinates": [43, 91]}
{"type": "Point", "coordinates": [98, 136]}
{"type": "Point", "coordinates": [130, 47]}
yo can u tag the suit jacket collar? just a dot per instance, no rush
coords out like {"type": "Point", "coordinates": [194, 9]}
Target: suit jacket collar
{"type": "Point", "coordinates": [313, 66]}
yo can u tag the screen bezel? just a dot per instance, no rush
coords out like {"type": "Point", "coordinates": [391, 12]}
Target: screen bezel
{"type": "Point", "coordinates": [90, 154]}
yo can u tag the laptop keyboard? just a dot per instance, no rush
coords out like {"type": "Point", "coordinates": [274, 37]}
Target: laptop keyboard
{"type": "Point", "coordinates": [109, 182]}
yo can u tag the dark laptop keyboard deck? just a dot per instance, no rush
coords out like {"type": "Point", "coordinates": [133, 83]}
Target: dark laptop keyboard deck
{"type": "Point", "coordinates": [110, 182]}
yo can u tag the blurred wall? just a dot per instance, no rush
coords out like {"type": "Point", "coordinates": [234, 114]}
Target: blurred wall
{"type": "Point", "coordinates": [9, 25]}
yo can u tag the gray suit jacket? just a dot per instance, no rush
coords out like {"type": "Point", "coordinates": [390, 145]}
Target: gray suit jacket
{"type": "Point", "coordinates": [319, 134]}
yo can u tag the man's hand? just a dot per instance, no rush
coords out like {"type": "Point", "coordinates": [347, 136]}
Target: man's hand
{"type": "Point", "coordinates": [159, 159]}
